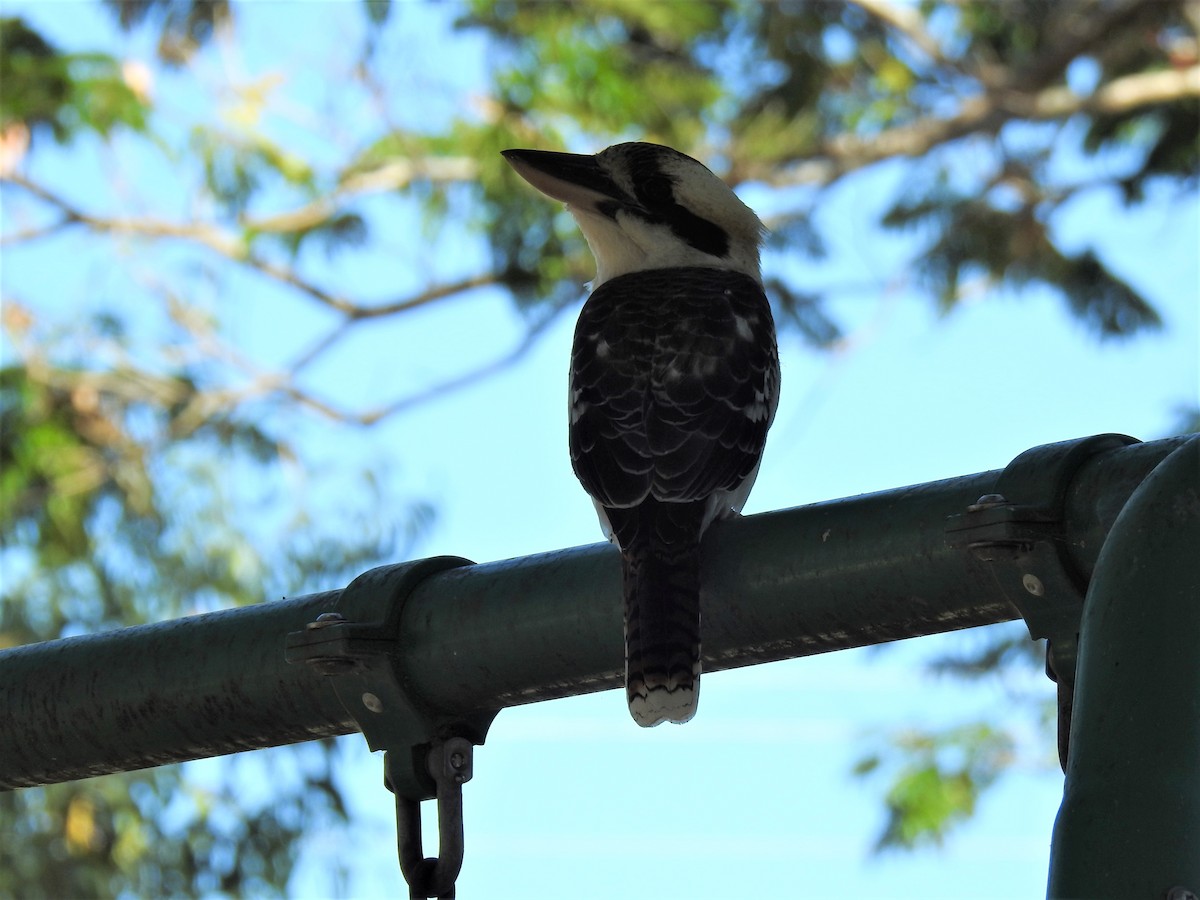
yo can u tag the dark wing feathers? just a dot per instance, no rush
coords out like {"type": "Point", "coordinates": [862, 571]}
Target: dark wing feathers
{"type": "Point", "coordinates": [667, 367]}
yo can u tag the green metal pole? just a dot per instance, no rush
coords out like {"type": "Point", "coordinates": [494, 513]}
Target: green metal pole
{"type": "Point", "coordinates": [149, 695]}
{"type": "Point", "coordinates": [846, 573]}
{"type": "Point", "coordinates": [1129, 825]}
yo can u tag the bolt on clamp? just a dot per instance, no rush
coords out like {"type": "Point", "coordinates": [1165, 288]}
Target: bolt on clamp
{"type": "Point", "coordinates": [428, 753]}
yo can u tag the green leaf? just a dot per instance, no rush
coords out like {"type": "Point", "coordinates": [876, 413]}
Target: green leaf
{"type": "Point", "coordinates": [936, 780]}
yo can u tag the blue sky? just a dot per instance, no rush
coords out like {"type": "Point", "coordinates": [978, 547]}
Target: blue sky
{"type": "Point", "coordinates": [755, 796]}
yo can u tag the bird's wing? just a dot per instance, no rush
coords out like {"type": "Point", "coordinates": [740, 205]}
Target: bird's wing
{"type": "Point", "coordinates": [674, 382]}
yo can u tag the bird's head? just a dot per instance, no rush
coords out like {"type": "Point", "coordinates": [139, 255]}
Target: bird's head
{"type": "Point", "coordinates": [646, 206]}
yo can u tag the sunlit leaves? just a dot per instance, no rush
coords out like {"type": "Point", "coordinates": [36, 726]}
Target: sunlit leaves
{"type": "Point", "coordinates": [113, 517]}
{"type": "Point", "coordinates": [67, 93]}
{"type": "Point", "coordinates": [58, 453]}
{"type": "Point", "coordinates": [600, 68]}
{"type": "Point", "coordinates": [936, 780]}
{"type": "Point", "coordinates": [102, 96]}
{"type": "Point", "coordinates": [35, 77]}
{"type": "Point", "coordinates": [155, 834]}
{"type": "Point", "coordinates": [824, 71]}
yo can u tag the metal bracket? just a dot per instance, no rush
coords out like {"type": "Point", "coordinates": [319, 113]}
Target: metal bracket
{"type": "Point", "coordinates": [359, 644]}
{"type": "Point", "coordinates": [1019, 529]}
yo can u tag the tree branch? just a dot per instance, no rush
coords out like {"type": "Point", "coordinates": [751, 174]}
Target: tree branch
{"type": "Point", "coordinates": [268, 384]}
{"type": "Point", "coordinates": [1076, 30]}
{"type": "Point", "coordinates": [237, 250]}
{"type": "Point", "coordinates": [983, 113]}
{"type": "Point", "coordinates": [203, 404]}
{"type": "Point", "coordinates": [400, 173]}
{"type": "Point", "coordinates": [362, 314]}
{"type": "Point", "coordinates": [395, 175]}
{"type": "Point", "coordinates": [1118, 96]}
{"type": "Point", "coordinates": [195, 406]}
{"type": "Point", "coordinates": [458, 382]}
{"type": "Point", "coordinates": [207, 236]}
{"type": "Point", "coordinates": [35, 233]}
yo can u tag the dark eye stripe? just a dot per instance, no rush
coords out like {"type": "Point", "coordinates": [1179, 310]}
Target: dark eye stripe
{"type": "Point", "coordinates": [700, 233]}
{"type": "Point", "coordinates": [655, 194]}
{"type": "Point", "coordinates": [687, 226]}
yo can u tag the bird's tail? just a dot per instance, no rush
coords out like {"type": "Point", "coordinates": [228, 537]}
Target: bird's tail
{"type": "Point", "coordinates": [661, 558]}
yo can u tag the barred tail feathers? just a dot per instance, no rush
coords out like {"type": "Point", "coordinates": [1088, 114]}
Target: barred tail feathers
{"type": "Point", "coordinates": [661, 561]}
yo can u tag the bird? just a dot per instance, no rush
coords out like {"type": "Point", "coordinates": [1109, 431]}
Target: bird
{"type": "Point", "coordinates": [674, 382]}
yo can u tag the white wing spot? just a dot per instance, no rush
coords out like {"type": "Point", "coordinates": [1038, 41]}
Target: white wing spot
{"type": "Point", "coordinates": [759, 408]}
{"type": "Point", "coordinates": [578, 407]}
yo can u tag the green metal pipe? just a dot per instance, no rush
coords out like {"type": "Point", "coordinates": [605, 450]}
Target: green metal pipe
{"type": "Point", "coordinates": [1129, 825]}
{"type": "Point", "coordinates": [792, 583]}
{"type": "Point", "coordinates": [190, 688]}
{"type": "Point", "coordinates": [834, 575]}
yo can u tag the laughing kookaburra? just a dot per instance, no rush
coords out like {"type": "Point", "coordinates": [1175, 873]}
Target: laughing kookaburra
{"type": "Point", "coordinates": [674, 382]}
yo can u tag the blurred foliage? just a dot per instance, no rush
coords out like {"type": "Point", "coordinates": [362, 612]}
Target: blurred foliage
{"type": "Point", "coordinates": [158, 833]}
{"type": "Point", "coordinates": [936, 776]}
{"type": "Point", "coordinates": [1015, 249]}
{"type": "Point", "coordinates": [621, 55]}
{"type": "Point", "coordinates": [767, 87]}
{"type": "Point", "coordinates": [63, 93]}
{"type": "Point", "coordinates": [938, 780]}
{"type": "Point", "coordinates": [120, 442]}
{"type": "Point", "coordinates": [119, 508]}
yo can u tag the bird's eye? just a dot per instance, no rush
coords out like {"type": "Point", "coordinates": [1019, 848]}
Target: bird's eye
{"type": "Point", "coordinates": [656, 190]}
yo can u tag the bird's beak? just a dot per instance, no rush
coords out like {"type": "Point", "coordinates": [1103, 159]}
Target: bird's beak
{"type": "Point", "coordinates": [575, 179]}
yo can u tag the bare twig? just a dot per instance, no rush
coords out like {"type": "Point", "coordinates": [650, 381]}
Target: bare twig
{"type": "Point", "coordinates": [233, 248]}
{"type": "Point", "coordinates": [467, 378]}
{"type": "Point", "coordinates": [429, 295]}
{"type": "Point", "coordinates": [36, 233]}
{"type": "Point", "coordinates": [195, 406]}
{"type": "Point", "coordinates": [203, 404]}
{"type": "Point", "coordinates": [205, 235]}
{"type": "Point", "coordinates": [268, 384]}
{"type": "Point", "coordinates": [362, 314]}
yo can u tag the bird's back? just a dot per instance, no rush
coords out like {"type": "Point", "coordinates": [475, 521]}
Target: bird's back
{"type": "Point", "coordinates": [672, 393]}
